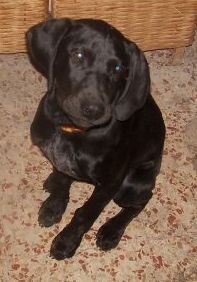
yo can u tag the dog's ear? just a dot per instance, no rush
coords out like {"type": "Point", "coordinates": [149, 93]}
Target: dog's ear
{"type": "Point", "coordinates": [137, 86]}
{"type": "Point", "coordinates": [42, 41]}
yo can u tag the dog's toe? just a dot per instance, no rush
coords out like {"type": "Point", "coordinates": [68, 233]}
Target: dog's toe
{"type": "Point", "coordinates": [57, 250]}
{"type": "Point", "coordinates": [47, 218]}
{"type": "Point", "coordinates": [63, 247]}
{"type": "Point", "coordinates": [51, 211]}
{"type": "Point", "coordinates": [108, 237]}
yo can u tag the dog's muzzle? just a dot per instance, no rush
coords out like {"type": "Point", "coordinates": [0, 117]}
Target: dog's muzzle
{"type": "Point", "coordinates": [92, 112]}
{"type": "Point", "coordinates": [89, 118]}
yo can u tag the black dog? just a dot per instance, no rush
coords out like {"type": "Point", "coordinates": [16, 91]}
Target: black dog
{"type": "Point", "coordinates": [97, 123]}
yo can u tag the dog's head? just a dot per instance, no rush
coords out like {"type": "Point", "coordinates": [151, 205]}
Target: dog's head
{"type": "Point", "coordinates": [93, 71]}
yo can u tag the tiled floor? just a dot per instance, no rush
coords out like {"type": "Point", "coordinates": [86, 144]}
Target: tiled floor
{"type": "Point", "coordinates": [159, 245]}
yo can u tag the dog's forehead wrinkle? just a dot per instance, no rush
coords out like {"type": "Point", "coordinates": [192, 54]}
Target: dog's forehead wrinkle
{"type": "Point", "coordinates": [94, 38]}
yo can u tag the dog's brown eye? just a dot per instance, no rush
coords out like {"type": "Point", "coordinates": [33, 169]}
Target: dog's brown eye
{"type": "Point", "coordinates": [77, 57]}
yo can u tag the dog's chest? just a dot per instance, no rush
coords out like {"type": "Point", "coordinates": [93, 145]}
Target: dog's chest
{"type": "Point", "coordinates": [61, 152]}
{"type": "Point", "coordinates": [76, 158]}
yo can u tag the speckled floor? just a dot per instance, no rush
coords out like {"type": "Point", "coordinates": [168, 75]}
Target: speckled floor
{"type": "Point", "coordinates": [159, 245]}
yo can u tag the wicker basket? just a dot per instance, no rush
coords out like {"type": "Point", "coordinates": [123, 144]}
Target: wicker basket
{"type": "Point", "coordinates": [16, 16]}
{"type": "Point", "coordinates": [153, 24]}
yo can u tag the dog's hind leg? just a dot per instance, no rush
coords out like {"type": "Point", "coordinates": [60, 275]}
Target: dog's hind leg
{"type": "Point", "coordinates": [52, 209]}
{"type": "Point", "coordinates": [134, 194]}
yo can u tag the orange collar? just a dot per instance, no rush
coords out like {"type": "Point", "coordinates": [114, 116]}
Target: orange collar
{"type": "Point", "coordinates": [70, 129]}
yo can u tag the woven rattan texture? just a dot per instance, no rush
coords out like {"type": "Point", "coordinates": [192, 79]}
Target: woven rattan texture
{"type": "Point", "coordinates": [16, 16]}
{"type": "Point", "coordinates": [153, 24]}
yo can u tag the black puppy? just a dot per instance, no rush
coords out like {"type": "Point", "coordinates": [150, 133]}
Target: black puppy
{"type": "Point", "coordinates": [97, 123]}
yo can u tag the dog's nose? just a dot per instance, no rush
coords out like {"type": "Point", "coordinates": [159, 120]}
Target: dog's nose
{"type": "Point", "coordinates": [92, 112]}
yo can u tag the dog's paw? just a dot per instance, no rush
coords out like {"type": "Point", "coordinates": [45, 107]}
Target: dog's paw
{"type": "Point", "coordinates": [51, 211]}
{"type": "Point", "coordinates": [108, 236]}
{"type": "Point", "coordinates": [64, 246]}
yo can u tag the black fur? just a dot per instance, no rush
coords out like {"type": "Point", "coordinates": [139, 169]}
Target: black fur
{"type": "Point", "coordinates": [97, 81]}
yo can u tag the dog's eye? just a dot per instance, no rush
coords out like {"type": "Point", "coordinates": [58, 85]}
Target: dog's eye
{"type": "Point", "coordinates": [77, 57]}
{"type": "Point", "coordinates": [118, 68]}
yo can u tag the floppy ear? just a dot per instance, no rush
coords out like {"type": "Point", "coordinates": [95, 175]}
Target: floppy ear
{"type": "Point", "coordinates": [43, 40]}
{"type": "Point", "coordinates": [138, 84]}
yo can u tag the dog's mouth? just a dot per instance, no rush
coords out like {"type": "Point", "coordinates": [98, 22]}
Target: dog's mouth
{"type": "Point", "coordinates": [68, 129]}
{"type": "Point", "coordinates": [77, 125]}
{"type": "Point", "coordinates": [83, 124]}
{"type": "Point", "coordinates": [69, 121]}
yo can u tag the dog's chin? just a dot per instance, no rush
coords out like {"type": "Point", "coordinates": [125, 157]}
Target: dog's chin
{"type": "Point", "coordinates": [86, 124]}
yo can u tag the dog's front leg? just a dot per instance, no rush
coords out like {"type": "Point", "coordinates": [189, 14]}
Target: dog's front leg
{"type": "Point", "coordinates": [68, 240]}
{"type": "Point", "coordinates": [52, 209]}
